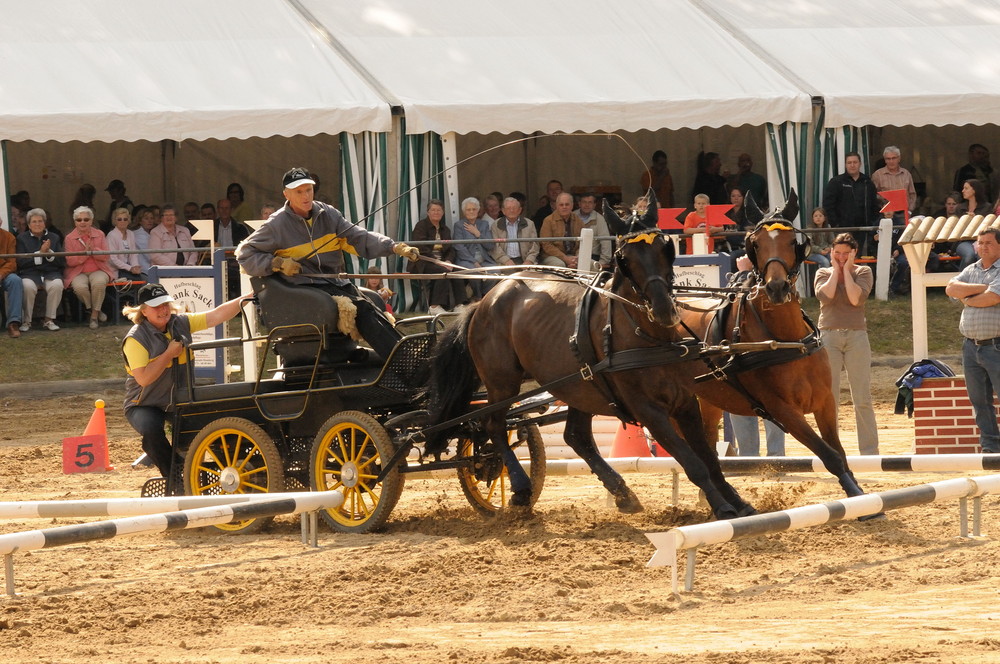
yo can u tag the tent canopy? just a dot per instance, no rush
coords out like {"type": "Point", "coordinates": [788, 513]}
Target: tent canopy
{"type": "Point", "coordinates": [109, 70]}
{"type": "Point", "coordinates": [885, 63]}
{"type": "Point", "coordinates": [526, 66]}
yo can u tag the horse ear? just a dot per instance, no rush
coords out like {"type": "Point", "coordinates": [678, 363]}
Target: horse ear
{"type": "Point", "coordinates": [652, 212]}
{"type": "Point", "coordinates": [754, 213]}
{"type": "Point", "coordinates": [791, 209]}
{"type": "Point", "coordinates": [616, 224]}
{"type": "Point", "coordinates": [669, 250]}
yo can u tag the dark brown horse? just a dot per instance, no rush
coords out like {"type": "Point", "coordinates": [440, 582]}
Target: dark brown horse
{"type": "Point", "coordinates": [528, 327]}
{"type": "Point", "coordinates": [787, 383]}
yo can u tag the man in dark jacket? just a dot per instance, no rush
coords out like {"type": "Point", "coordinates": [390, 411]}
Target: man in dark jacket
{"type": "Point", "coordinates": [850, 200]}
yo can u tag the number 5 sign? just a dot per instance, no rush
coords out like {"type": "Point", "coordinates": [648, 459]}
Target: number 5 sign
{"type": "Point", "coordinates": [84, 454]}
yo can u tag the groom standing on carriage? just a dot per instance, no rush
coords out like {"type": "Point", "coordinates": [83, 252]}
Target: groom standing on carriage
{"type": "Point", "coordinates": [305, 241]}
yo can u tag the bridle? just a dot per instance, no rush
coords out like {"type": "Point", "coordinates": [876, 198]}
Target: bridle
{"type": "Point", "coordinates": [649, 237]}
{"type": "Point", "coordinates": [791, 271]}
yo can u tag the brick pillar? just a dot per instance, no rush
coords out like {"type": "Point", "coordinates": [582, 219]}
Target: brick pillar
{"type": "Point", "coordinates": [943, 420]}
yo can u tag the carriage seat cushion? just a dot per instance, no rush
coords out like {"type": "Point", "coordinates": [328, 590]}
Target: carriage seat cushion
{"type": "Point", "coordinates": [283, 303]}
{"type": "Point", "coordinates": [227, 390]}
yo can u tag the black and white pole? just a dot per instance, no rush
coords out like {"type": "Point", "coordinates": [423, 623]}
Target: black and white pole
{"type": "Point", "coordinates": [266, 505]}
{"type": "Point", "coordinates": [689, 538]}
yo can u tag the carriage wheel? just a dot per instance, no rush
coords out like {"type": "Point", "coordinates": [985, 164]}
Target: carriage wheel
{"type": "Point", "coordinates": [233, 455]}
{"type": "Point", "coordinates": [347, 454]}
{"type": "Point", "coordinates": [485, 482]}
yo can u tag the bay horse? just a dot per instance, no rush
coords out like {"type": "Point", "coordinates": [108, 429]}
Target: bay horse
{"type": "Point", "coordinates": [554, 328]}
{"type": "Point", "coordinates": [782, 384]}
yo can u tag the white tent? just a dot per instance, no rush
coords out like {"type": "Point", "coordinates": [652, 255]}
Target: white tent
{"type": "Point", "coordinates": [107, 70]}
{"type": "Point", "coordinates": [526, 66]}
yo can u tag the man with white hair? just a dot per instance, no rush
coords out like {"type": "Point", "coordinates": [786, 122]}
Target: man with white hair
{"type": "Point", "coordinates": [893, 176]}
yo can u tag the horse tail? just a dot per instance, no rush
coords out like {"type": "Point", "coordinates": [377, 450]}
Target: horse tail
{"type": "Point", "coordinates": [453, 380]}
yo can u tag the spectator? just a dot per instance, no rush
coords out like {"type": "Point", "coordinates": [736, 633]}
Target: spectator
{"type": "Point", "coordinates": [552, 190]}
{"type": "Point", "coordinates": [241, 210]}
{"type": "Point", "coordinates": [561, 223]}
{"type": "Point", "coordinates": [191, 212]}
{"type": "Point", "coordinates": [474, 255]}
{"type": "Point", "coordinates": [40, 271]}
{"type": "Point", "coordinates": [978, 168]}
{"type": "Point", "coordinates": [376, 284]}
{"type": "Point", "coordinates": [116, 189]}
{"type": "Point", "coordinates": [10, 283]}
{"type": "Point", "coordinates": [168, 235]}
{"type": "Point", "coordinates": [228, 231]}
{"type": "Point", "coordinates": [821, 242]}
{"type": "Point", "coordinates": [122, 239]}
{"type": "Point", "coordinates": [266, 210]}
{"type": "Point", "coordinates": [697, 222]}
{"type": "Point", "coordinates": [709, 180]}
{"type": "Point", "coordinates": [146, 224]}
{"type": "Point", "coordinates": [893, 176]}
{"type": "Point", "coordinates": [978, 287]}
{"type": "Point", "coordinates": [850, 200]}
{"type": "Point", "coordinates": [88, 276]}
{"type": "Point", "coordinates": [975, 202]}
{"type": "Point", "coordinates": [491, 207]}
{"type": "Point", "coordinates": [20, 203]}
{"type": "Point", "coordinates": [444, 293]}
{"type": "Point", "coordinates": [741, 223]}
{"type": "Point", "coordinates": [512, 226]}
{"type": "Point", "coordinates": [158, 338]}
{"type": "Point", "coordinates": [657, 177]}
{"type": "Point", "coordinates": [602, 252]}
{"type": "Point", "coordinates": [842, 290]}
{"type": "Point", "coordinates": [85, 197]}
{"type": "Point", "coordinates": [751, 182]}
{"type": "Point", "coordinates": [950, 209]}
{"type": "Point", "coordinates": [208, 211]}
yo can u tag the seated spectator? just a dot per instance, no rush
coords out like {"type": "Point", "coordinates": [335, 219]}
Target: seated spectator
{"type": "Point", "coordinates": [168, 235]}
{"type": "Point", "coordinates": [191, 212]}
{"type": "Point", "coordinates": [561, 223]}
{"type": "Point", "coordinates": [20, 203]}
{"type": "Point", "coordinates": [974, 202]}
{"type": "Point", "coordinates": [510, 226]}
{"type": "Point", "coordinates": [208, 211]}
{"type": "Point", "coordinates": [950, 209]}
{"type": "Point", "coordinates": [266, 210]}
{"type": "Point", "coordinates": [88, 276]}
{"type": "Point", "coordinates": [658, 178]}
{"type": "Point", "coordinates": [376, 284]}
{"type": "Point", "coordinates": [472, 227]}
{"type": "Point", "coordinates": [552, 190]}
{"type": "Point", "coordinates": [442, 291]}
{"type": "Point", "coordinates": [738, 215]}
{"type": "Point", "coordinates": [603, 250]}
{"type": "Point", "coordinates": [122, 239]}
{"type": "Point", "coordinates": [491, 208]}
{"type": "Point", "coordinates": [84, 197]}
{"type": "Point", "coordinates": [241, 210]}
{"type": "Point", "coordinates": [10, 283]}
{"type": "Point", "coordinates": [40, 271]}
{"type": "Point", "coordinates": [697, 221]}
{"type": "Point", "coordinates": [821, 242]}
{"type": "Point", "coordinates": [146, 223]}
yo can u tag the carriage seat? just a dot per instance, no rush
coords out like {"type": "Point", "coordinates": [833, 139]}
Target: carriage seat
{"type": "Point", "coordinates": [227, 390]}
{"type": "Point", "coordinates": [283, 303]}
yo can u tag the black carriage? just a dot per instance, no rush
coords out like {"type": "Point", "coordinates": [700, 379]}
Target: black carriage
{"type": "Point", "coordinates": [331, 415]}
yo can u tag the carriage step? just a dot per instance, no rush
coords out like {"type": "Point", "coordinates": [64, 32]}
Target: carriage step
{"type": "Point", "coordinates": [155, 487]}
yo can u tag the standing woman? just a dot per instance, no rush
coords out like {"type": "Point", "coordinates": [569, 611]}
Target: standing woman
{"type": "Point", "coordinates": [121, 238]}
{"type": "Point", "coordinates": [842, 290]}
{"type": "Point", "coordinates": [40, 271]}
{"type": "Point", "coordinates": [474, 227]}
{"type": "Point", "coordinates": [157, 338]}
{"type": "Point", "coordinates": [88, 276]}
{"type": "Point", "coordinates": [433, 228]}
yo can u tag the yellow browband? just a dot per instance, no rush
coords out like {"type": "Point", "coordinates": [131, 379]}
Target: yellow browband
{"type": "Point", "coordinates": [645, 237]}
{"type": "Point", "coordinates": [778, 226]}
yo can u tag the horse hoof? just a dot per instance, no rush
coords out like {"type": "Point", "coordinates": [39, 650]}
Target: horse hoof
{"type": "Point", "coordinates": [873, 517]}
{"type": "Point", "coordinates": [521, 500]}
{"type": "Point", "coordinates": [628, 503]}
{"type": "Point", "coordinates": [725, 512]}
{"type": "Point", "coordinates": [747, 510]}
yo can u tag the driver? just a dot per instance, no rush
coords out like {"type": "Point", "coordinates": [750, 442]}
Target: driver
{"type": "Point", "coordinates": [306, 238]}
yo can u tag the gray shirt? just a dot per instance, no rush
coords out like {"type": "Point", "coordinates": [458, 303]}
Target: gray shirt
{"type": "Point", "coordinates": [981, 322]}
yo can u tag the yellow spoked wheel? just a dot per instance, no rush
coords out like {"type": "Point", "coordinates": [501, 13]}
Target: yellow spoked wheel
{"type": "Point", "coordinates": [347, 454]}
{"type": "Point", "coordinates": [233, 455]}
{"type": "Point", "coordinates": [485, 481]}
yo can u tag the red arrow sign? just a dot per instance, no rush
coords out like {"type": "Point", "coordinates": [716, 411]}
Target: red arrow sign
{"type": "Point", "coordinates": [717, 215]}
{"type": "Point", "coordinates": [897, 202]}
{"type": "Point", "coordinates": [667, 218]}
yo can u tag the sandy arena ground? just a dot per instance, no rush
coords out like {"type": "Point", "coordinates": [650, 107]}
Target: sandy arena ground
{"type": "Point", "coordinates": [567, 583]}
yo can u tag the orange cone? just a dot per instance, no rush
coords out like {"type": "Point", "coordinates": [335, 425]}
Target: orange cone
{"type": "Point", "coordinates": [98, 426]}
{"type": "Point", "coordinates": [630, 441]}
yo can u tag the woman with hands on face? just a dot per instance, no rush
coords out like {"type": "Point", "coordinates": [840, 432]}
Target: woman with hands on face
{"type": "Point", "coordinates": [842, 289]}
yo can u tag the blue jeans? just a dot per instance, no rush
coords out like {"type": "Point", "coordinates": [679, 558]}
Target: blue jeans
{"type": "Point", "coordinates": [149, 421]}
{"type": "Point", "coordinates": [747, 434]}
{"type": "Point", "coordinates": [981, 365]}
{"type": "Point", "coordinates": [13, 290]}
{"type": "Point", "coordinates": [967, 251]}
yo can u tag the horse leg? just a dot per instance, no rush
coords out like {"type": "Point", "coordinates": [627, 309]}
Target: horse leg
{"type": "Point", "coordinates": [579, 435]}
{"type": "Point", "coordinates": [694, 467]}
{"type": "Point", "coordinates": [695, 432]}
{"type": "Point", "coordinates": [833, 457]}
{"type": "Point", "coordinates": [520, 483]}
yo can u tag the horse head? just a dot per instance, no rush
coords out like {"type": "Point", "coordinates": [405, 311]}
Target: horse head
{"type": "Point", "coordinates": [776, 248]}
{"type": "Point", "coordinates": [644, 260]}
